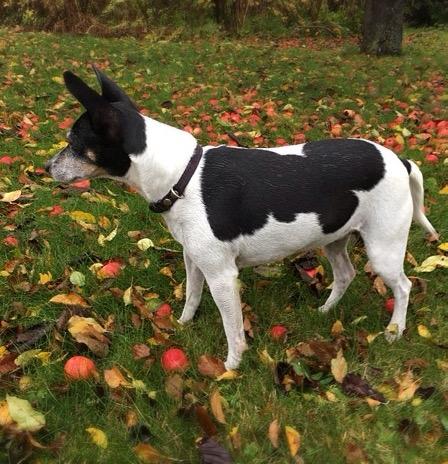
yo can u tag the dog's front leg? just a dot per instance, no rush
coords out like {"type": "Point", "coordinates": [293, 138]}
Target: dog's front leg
{"type": "Point", "coordinates": [224, 289]}
{"type": "Point", "coordinates": [195, 283]}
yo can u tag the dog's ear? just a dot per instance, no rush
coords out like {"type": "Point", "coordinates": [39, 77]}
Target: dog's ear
{"type": "Point", "coordinates": [110, 90]}
{"type": "Point", "coordinates": [105, 118]}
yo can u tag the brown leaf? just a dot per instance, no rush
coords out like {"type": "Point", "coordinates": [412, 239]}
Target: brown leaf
{"type": "Point", "coordinates": [407, 386]}
{"type": "Point", "coordinates": [216, 406]}
{"type": "Point", "coordinates": [174, 386]}
{"type": "Point", "coordinates": [235, 438]}
{"type": "Point", "coordinates": [273, 433]}
{"type": "Point", "coordinates": [354, 385]}
{"type": "Point", "coordinates": [379, 286]}
{"type": "Point", "coordinates": [114, 378]}
{"type": "Point", "coordinates": [337, 328]}
{"type": "Point", "coordinates": [7, 363]}
{"type": "Point", "coordinates": [210, 366]}
{"type": "Point", "coordinates": [354, 454]}
{"type": "Point", "coordinates": [86, 330]}
{"type": "Point", "coordinates": [293, 439]}
{"type": "Point", "coordinates": [140, 351]}
{"type": "Point", "coordinates": [148, 454]}
{"type": "Point", "coordinates": [205, 421]}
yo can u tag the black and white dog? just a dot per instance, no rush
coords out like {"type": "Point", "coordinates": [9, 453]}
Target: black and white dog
{"type": "Point", "coordinates": [241, 207]}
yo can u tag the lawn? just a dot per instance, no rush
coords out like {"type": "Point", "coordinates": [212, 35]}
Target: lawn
{"type": "Point", "coordinates": [266, 93]}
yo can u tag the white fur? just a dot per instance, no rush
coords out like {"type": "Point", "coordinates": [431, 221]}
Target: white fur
{"type": "Point", "coordinates": [383, 218]}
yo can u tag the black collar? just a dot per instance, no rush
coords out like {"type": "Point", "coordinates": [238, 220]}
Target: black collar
{"type": "Point", "coordinates": [165, 203]}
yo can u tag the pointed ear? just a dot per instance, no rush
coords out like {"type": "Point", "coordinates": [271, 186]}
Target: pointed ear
{"type": "Point", "coordinates": [110, 90]}
{"type": "Point", "coordinates": [105, 118]}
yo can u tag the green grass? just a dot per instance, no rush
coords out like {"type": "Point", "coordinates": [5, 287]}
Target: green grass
{"type": "Point", "coordinates": [319, 79]}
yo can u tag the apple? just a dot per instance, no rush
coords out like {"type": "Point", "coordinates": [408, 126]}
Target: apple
{"type": "Point", "coordinates": [174, 359]}
{"type": "Point", "coordinates": [389, 305]}
{"type": "Point", "coordinates": [431, 158]}
{"type": "Point", "coordinates": [278, 332]}
{"type": "Point", "coordinates": [80, 368]}
{"type": "Point", "coordinates": [164, 310]}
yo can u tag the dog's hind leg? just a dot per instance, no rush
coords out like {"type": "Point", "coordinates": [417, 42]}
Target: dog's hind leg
{"type": "Point", "coordinates": [195, 284]}
{"type": "Point", "coordinates": [343, 272]}
{"type": "Point", "coordinates": [385, 243]}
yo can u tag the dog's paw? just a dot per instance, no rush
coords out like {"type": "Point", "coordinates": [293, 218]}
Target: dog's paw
{"type": "Point", "coordinates": [324, 309]}
{"type": "Point", "coordinates": [393, 332]}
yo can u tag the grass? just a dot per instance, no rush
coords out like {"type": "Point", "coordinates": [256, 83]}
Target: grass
{"type": "Point", "coordinates": [309, 83]}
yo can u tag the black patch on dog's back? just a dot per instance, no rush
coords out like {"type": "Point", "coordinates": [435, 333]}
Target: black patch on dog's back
{"type": "Point", "coordinates": [241, 187]}
{"type": "Point", "coordinates": [407, 164]}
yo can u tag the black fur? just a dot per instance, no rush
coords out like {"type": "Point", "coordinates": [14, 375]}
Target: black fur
{"type": "Point", "coordinates": [241, 187]}
{"type": "Point", "coordinates": [407, 164]}
{"type": "Point", "coordinates": [111, 128]}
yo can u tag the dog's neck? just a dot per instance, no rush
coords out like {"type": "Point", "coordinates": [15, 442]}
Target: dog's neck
{"type": "Point", "coordinates": [165, 158]}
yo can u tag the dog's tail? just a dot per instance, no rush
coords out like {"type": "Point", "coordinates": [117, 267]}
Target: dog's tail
{"type": "Point", "coordinates": [417, 192]}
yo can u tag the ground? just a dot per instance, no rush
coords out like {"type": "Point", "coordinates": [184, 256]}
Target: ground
{"type": "Point", "coordinates": [267, 93]}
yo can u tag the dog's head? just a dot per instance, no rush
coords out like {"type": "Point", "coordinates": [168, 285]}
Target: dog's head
{"type": "Point", "coordinates": [102, 138]}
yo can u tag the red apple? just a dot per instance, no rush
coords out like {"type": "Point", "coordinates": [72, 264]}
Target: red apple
{"type": "Point", "coordinates": [174, 359]}
{"type": "Point", "coordinates": [82, 184]}
{"type": "Point", "coordinates": [431, 158]}
{"type": "Point", "coordinates": [389, 305]}
{"type": "Point", "coordinates": [164, 310]}
{"type": "Point", "coordinates": [80, 368]}
{"type": "Point", "coordinates": [56, 210]}
{"type": "Point", "coordinates": [10, 240]}
{"type": "Point", "coordinates": [6, 160]}
{"type": "Point", "coordinates": [278, 332]}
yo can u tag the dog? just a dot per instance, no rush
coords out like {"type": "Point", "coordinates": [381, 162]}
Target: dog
{"type": "Point", "coordinates": [235, 207]}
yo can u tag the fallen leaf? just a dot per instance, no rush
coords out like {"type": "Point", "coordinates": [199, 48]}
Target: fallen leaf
{"type": "Point", "coordinates": [77, 278]}
{"type": "Point", "coordinates": [339, 367]}
{"type": "Point", "coordinates": [423, 331]}
{"type": "Point", "coordinates": [206, 423]}
{"type": "Point", "coordinates": [70, 299]}
{"type": "Point", "coordinates": [407, 386]}
{"type": "Point", "coordinates": [98, 437]}
{"type": "Point", "coordinates": [10, 197]}
{"type": "Point", "coordinates": [140, 351]}
{"type": "Point", "coordinates": [235, 437]}
{"type": "Point", "coordinates": [444, 190]}
{"type": "Point", "coordinates": [23, 414]}
{"type": "Point", "coordinates": [354, 385]}
{"type": "Point", "coordinates": [210, 366]}
{"type": "Point", "coordinates": [431, 263]}
{"type": "Point", "coordinates": [87, 331]}
{"type": "Point", "coordinates": [148, 454]}
{"type": "Point", "coordinates": [114, 378]}
{"type": "Point", "coordinates": [293, 439]}
{"type": "Point", "coordinates": [144, 244]}
{"type": "Point", "coordinates": [337, 328]}
{"type": "Point", "coordinates": [216, 406]}
{"type": "Point", "coordinates": [228, 375]}
{"type": "Point", "coordinates": [213, 453]}
{"type": "Point", "coordinates": [45, 277]}
{"type": "Point", "coordinates": [82, 216]}
{"type": "Point", "coordinates": [273, 433]}
{"type": "Point", "coordinates": [379, 286]}
{"type": "Point", "coordinates": [174, 385]}
{"type": "Point", "coordinates": [443, 246]}
{"type": "Point", "coordinates": [102, 239]}
{"type": "Point", "coordinates": [166, 271]}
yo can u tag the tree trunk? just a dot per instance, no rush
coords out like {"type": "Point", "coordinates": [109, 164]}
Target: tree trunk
{"type": "Point", "coordinates": [231, 14]}
{"type": "Point", "coordinates": [383, 27]}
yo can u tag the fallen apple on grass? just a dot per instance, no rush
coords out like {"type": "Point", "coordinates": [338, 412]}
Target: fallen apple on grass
{"type": "Point", "coordinates": [174, 359]}
{"type": "Point", "coordinates": [389, 305]}
{"type": "Point", "coordinates": [80, 368]}
{"type": "Point", "coordinates": [164, 310]}
{"type": "Point", "coordinates": [278, 332]}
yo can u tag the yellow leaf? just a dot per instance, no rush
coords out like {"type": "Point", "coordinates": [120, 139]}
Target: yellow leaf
{"type": "Point", "coordinates": [339, 367]}
{"type": "Point", "coordinates": [423, 331]}
{"type": "Point", "coordinates": [98, 437]}
{"type": "Point", "coordinates": [127, 296]}
{"type": "Point", "coordinates": [293, 439]}
{"type": "Point", "coordinates": [331, 396]}
{"type": "Point", "coordinates": [144, 244]}
{"type": "Point", "coordinates": [83, 216]}
{"type": "Point", "coordinates": [337, 328]}
{"type": "Point", "coordinates": [5, 418]}
{"type": "Point", "coordinates": [58, 80]}
{"type": "Point", "coordinates": [26, 418]}
{"type": "Point", "coordinates": [372, 337]}
{"type": "Point", "coordinates": [87, 331]}
{"type": "Point", "coordinates": [9, 197]}
{"type": "Point", "coordinates": [70, 299]}
{"type": "Point", "coordinates": [178, 292]}
{"type": "Point", "coordinates": [114, 378]}
{"type": "Point", "coordinates": [103, 239]}
{"type": "Point", "coordinates": [148, 454]}
{"type": "Point", "coordinates": [273, 432]}
{"type": "Point", "coordinates": [431, 263]}
{"type": "Point", "coordinates": [228, 375]}
{"type": "Point", "coordinates": [443, 246]}
{"type": "Point", "coordinates": [166, 271]}
{"type": "Point", "coordinates": [372, 403]}
{"type": "Point", "coordinates": [216, 406]}
{"type": "Point", "coordinates": [45, 277]}
{"type": "Point", "coordinates": [407, 386]}
{"type": "Point", "coordinates": [266, 358]}
{"type": "Point", "coordinates": [444, 190]}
